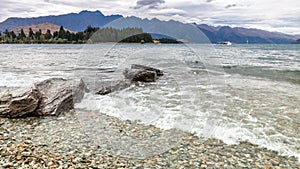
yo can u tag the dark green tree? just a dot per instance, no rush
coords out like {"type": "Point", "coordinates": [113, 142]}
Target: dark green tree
{"type": "Point", "coordinates": [55, 34]}
{"type": "Point", "coordinates": [48, 35]}
{"type": "Point", "coordinates": [143, 37]}
{"type": "Point", "coordinates": [6, 36]}
{"type": "Point", "coordinates": [13, 35]}
{"type": "Point", "coordinates": [21, 35]}
{"type": "Point", "coordinates": [31, 34]}
{"type": "Point", "coordinates": [89, 31]}
{"type": "Point", "coordinates": [79, 36]}
{"type": "Point", "coordinates": [62, 33]}
{"type": "Point", "coordinates": [167, 40]}
{"type": "Point", "coordinates": [38, 34]}
{"type": "Point", "coordinates": [6, 33]}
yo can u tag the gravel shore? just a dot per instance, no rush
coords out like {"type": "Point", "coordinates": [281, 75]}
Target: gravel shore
{"type": "Point", "coordinates": [63, 142]}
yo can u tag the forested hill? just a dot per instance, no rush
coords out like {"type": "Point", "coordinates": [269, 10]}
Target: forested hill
{"type": "Point", "coordinates": [44, 27]}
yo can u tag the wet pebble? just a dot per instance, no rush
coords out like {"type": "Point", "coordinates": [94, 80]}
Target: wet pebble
{"type": "Point", "coordinates": [62, 143]}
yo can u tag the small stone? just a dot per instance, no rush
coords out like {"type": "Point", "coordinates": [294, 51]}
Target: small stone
{"type": "Point", "coordinates": [76, 160]}
{"type": "Point", "coordinates": [26, 153]}
{"type": "Point", "coordinates": [7, 165]}
{"type": "Point", "coordinates": [258, 165]}
{"type": "Point", "coordinates": [19, 157]}
{"type": "Point", "coordinates": [247, 155]}
{"type": "Point", "coordinates": [267, 167]}
{"type": "Point", "coordinates": [88, 154]}
{"type": "Point", "coordinates": [242, 165]}
{"type": "Point", "coordinates": [28, 142]}
{"type": "Point", "coordinates": [228, 155]}
{"type": "Point", "coordinates": [274, 162]}
{"type": "Point", "coordinates": [204, 166]}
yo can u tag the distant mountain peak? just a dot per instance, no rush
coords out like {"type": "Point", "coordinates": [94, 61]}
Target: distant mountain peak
{"type": "Point", "coordinates": [155, 19]}
{"type": "Point", "coordinates": [86, 12]}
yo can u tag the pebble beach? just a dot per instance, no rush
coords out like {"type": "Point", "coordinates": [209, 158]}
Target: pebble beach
{"type": "Point", "coordinates": [60, 142]}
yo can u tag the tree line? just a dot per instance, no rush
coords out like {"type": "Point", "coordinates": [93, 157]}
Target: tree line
{"type": "Point", "coordinates": [89, 35]}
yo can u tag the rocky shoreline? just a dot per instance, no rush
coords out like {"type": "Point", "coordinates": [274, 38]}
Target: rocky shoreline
{"type": "Point", "coordinates": [39, 128]}
{"type": "Point", "coordinates": [59, 142]}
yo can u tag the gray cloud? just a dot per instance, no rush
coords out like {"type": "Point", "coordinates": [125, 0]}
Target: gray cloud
{"type": "Point", "coordinates": [222, 21]}
{"type": "Point", "coordinates": [150, 4]}
{"type": "Point", "coordinates": [230, 5]}
{"type": "Point", "coordinates": [21, 9]}
{"type": "Point", "coordinates": [283, 17]}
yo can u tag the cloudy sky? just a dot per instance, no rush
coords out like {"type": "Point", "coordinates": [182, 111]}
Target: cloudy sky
{"type": "Point", "coordinates": [272, 15]}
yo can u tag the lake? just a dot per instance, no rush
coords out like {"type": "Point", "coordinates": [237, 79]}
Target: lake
{"type": "Point", "coordinates": [233, 93]}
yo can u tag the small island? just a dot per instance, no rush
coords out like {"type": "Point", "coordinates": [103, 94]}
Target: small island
{"type": "Point", "coordinates": [38, 34]}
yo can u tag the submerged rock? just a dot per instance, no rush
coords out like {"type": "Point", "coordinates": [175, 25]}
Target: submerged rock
{"type": "Point", "coordinates": [120, 85]}
{"type": "Point", "coordinates": [137, 73]}
{"type": "Point", "coordinates": [148, 68]}
{"type": "Point", "coordinates": [49, 97]}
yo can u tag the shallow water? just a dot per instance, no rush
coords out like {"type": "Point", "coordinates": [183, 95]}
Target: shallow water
{"type": "Point", "coordinates": [233, 93]}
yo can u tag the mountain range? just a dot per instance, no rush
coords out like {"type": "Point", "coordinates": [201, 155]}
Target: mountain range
{"type": "Point", "coordinates": [73, 21]}
{"type": "Point", "coordinates": [244, 35]}
{"type": "Point", "coordinates": [186, 32]}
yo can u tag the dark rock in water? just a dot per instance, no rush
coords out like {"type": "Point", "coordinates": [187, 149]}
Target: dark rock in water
{"type": "Point", "coordinates": [144, 76]}
{"type": "Point", "coordinates": [49, 97]}
{"type": "Point", "coordinates": [143, 67]}
{"type": "Point", "coordinates": [137, 73]}
{"type": "Point", "coordinates": [120, 85]}
{"type": "Point", "coordinates": [58, 95]}
{"type": "Point", "coordinates": [19, 102]}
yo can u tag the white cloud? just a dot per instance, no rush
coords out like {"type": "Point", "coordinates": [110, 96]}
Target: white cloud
{"type": "Point", "coordinates": [168, 12]}
{"type": "Point", "coordinates": [266, 14]}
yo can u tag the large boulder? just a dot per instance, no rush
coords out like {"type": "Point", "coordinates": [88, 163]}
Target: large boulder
{"type": "Point", "coordinates": [19, 102]}
{"type": "Point", "coordinates": [50, 97]}
{"type": "Point", "coordinates": [58, 95]}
